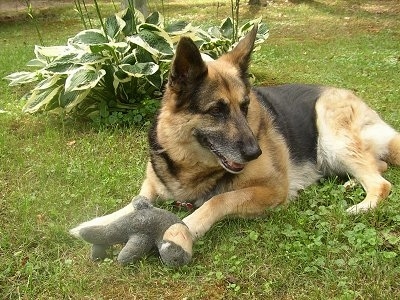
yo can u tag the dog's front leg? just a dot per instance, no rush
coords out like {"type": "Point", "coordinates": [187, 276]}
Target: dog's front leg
{"type": "Point", "coordinates": [246, 202]}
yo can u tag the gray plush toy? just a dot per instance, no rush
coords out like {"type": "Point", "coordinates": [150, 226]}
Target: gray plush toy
{"type": "Point", "coordinates": [144, 228]}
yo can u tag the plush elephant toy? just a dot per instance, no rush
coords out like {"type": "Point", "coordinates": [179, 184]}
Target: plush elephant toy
{"type": "Point", "coordinates": [141, 230]}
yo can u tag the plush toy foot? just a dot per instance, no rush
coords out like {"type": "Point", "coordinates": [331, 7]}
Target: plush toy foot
{"type": "Point", "coordinates": [176, 246]}
{"type": "Point", "coordinates": [135, 248]}
{"type": "Point", "coordinates": [99, 252]}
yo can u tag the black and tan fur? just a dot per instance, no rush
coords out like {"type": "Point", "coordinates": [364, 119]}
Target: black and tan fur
{"type": "Point", "coordinates": [234, 150]}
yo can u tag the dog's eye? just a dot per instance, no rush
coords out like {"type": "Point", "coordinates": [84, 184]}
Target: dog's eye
{"type": "Point", "coordinates": [219, 110]}
{"type": "Point", "coordinates": [244, 107]}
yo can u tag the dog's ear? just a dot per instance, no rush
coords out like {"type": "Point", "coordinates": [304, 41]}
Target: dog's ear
{"type": "Point", "coordinates": [240, 55]}
{"type": "Point", "coordinates": [187, 67]}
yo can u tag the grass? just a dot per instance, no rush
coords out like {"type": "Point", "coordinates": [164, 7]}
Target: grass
{"type": "Point", "coordinates": [55, 174]}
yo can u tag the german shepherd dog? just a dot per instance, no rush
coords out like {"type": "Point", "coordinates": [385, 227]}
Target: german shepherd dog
{"type": "Point", "coordinates": [236, 150]}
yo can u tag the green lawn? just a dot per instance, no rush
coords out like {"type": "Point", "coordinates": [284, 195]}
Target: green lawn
{"type": "Point", "coordinates": [55, 174]}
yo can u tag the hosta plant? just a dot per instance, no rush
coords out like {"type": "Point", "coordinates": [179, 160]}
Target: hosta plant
{"type": "Point", "coordinates": [116, 74]}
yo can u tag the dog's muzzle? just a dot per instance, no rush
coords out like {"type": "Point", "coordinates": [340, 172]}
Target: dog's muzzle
{"type": "Point", "coordinates": [247, 152]}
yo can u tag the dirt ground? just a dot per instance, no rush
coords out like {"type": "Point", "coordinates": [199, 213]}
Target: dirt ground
{"type": "Point", "coordinates": [17, 9]}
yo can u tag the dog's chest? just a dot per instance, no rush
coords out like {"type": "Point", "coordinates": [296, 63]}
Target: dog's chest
{"type": "Point", "coordinates": [195, 183]}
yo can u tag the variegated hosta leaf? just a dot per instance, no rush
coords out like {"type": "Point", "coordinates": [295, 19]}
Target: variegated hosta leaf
{"type": "Point", "coordinates": [83, 78]}
{"type": "Point", "coordinates": [70, 100]}
{"type": "Point", "coordinates": [155, 18]}
{"type": "Point", "coordinates": [130, 23]}
{"type": "Point", "coordinates": [138, 41]}
{"type": "Point", "coordinates": [60, 68]}
{"type": "Point", "coordinates": [155, 79]}
{"type": "Point", "coordinates": [90, 37]}
{"type": "Point", "coordinates": [67, 58]}
{"type": "Point", "coordinates": [139, 17]}
{"type": "Point", "coordinates": [40, 63]}
{"type": "Point", "coordinates": [262, 33]}
{"type": "Point", "coordinates": [227, 28]}
{"type": "Point", "coordinates": [156, 38]}
{"type": "Point", "coordinates": [114, 26]}
{"type": "Point", "coordinates": [140, 69]}
{"type": "Point", "coordinates": [246, 27]}
{"type": "Point", "coordinates": [21, 78]}
{"type": "Point", "coordinates": [130, 58]}
{"type": "Point", "coordinates": [107, 49]}
{"type": "Point", "coordinates": [178, 28]}
{"type": "Point", "coordinates": [90, 59]}
{"type": "Point", "coordinates": [39, 99]}
{"type": "Point", "coordinates": [48, 82]}
{"type": "Point", "coordinates": [43, 53]}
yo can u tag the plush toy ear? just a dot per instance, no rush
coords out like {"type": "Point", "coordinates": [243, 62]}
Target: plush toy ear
{"type": "Point", "coordinates": [240, 55]}
{"type": "Point", "coordinates": [187, 67]}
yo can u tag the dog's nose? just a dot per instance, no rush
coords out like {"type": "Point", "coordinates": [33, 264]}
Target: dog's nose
{"type": "Point", "coordinates": [251, 151]}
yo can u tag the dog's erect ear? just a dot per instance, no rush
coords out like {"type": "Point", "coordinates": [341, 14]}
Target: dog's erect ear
{"type": "Point", "coordinates": [240, 55]}
{"type": "Point", "coordinates": [187, 67]}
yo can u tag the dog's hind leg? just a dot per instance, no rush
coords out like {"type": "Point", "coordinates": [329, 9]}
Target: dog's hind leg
{"type": "Point", "coordinates": [376, 187]}
{"type": "Point", "coordinates": [393, 157]}
{"type": "Point", "coordinates": [354, 140]}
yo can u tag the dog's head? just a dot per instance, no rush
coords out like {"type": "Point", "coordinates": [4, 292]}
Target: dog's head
{"type": "Point", "coordinates": [214, 99]}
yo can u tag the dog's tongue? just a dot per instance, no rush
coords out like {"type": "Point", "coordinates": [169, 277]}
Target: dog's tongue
{"type": "Point", "coordinates": [235, 166]}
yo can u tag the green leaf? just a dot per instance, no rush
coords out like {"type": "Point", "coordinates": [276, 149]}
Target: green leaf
{"type": "Point", "coordinates": [389, 254]}
{"type": "Point", "coordinates": [114, 26]}
{"type": "Point", "coordinates": [140, 69]}
{"type": "Point", "coordinates": [83, 78]}
{"type": "Point", "coordinates": [89, 37]}
{"type": "Point", "coordinates": [39, 99]}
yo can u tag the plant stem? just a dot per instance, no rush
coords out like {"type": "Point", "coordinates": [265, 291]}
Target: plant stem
{"type": "Point", "coordinates": [87, 14]}
{"type": "Point", "coordinates": [100, 18]}
{"type": "Point", "coordinates": [133, 20]}
{"type": "Point", "coordinates": [79, 9]}
{"type": "Point", "coordinates": [237, 20]}
{"type": "Point", "coordinates": [30, 14]}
